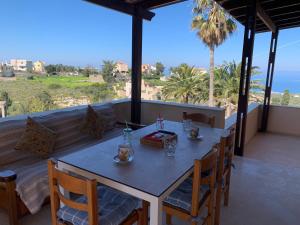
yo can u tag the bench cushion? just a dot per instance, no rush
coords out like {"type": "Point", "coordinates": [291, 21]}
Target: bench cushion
{"type": "Point", "coordinates": [113, 208]}
{"type": "Point", "coordinates": [34, 193]}
{"type": "Point", "coordinates": [65, 123]}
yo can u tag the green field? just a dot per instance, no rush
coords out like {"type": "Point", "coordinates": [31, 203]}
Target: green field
{"type": "Point", "coordinates": [24, 89]}
{"type": "Point", "coordinates": [63, 81]}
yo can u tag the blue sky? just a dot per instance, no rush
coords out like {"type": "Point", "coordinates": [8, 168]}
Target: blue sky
{"type": "Point", "coordinates": [78, 33]}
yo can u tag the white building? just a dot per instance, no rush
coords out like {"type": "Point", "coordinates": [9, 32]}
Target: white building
{"type": "Point", "coordinates": [6, 70]}
{"type": "Point", "coordinates": [21, 65]}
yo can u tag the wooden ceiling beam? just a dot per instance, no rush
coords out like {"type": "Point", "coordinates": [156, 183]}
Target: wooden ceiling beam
{"type": "Point", "coordinates": [152, 4]}
{"type": "Point", "coordinates": [264, 17]}
{"type": "Point", "coordinates": [124, 7]}
{"type": "Point", "coordinates": [282, 19]}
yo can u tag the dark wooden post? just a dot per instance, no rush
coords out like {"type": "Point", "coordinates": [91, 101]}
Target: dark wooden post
{"type": "Point", "coordinates": [269, 81]}
{"type": "Point", "coordinates": [136, 76]}
{"type": "Point", "coordinates": [249, 36]}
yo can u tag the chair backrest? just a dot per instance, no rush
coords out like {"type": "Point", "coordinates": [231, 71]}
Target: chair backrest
{"type": "Point", "coordinates": [87, 188]}
{"type": "Point", "coordinates": [207, 165]}
{"type": "Point", "coordinates": [225, 154]}
{"type": "Point", "coordinates": [229, 148]}
{"type": "Point", "coordinates": [199, 117]}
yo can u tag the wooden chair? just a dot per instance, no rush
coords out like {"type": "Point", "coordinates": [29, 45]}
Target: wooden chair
{"type": "Point", "coordinates": [88, 204]}
{"type": "Point", "coordinates": [201, 118]}
{"type": "Point", "coordinates": [224, 173]}
{"type": "Point", "coordinates": [195, 194]}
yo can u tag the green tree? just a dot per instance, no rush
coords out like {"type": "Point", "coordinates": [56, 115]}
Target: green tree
{"type": "Point", "coordinates": [227, 82]}
{"type": "Point", "coordinates": [5, 97]}
{"type": "Point", "coordinates": [41, 102]}
{"type": "Point", "coordinates": [99, 92]}
{"type": "Point", "coordinates": [213, 26]}
{"type": "Point", "coordinates": [108, 69]}
{"type": "Point", "coordinates": [185, 85]}
{"type": "Point", "coordinates": [88, 70]}
{"type": "Point", "coordinates": [160, 69]}
{"type": "Point", "coordinates": [285, 100]}
{"type": "Point", "coordinates": [276, 100]}
{"type": "Point", "coordinates": [50, 69]}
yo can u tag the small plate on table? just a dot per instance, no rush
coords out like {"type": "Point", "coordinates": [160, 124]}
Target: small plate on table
{"type": "Point", "coordinates": [199, 137]}
{"type": "Point", "coordinates": [122, 162]}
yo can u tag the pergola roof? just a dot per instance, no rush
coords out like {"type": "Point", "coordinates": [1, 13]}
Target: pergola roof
{"type": "Point", "coordinates": [271, 14]}
{"type": "Point", "coordinates": [282, 14]}
{"type": "Point", "coordinates": [135, 7]}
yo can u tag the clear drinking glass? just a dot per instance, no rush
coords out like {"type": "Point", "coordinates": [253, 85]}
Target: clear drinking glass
{"type": "Point", "coordinates": [187, 124]}
{"type": "Point", "coordinates": [170, 147]}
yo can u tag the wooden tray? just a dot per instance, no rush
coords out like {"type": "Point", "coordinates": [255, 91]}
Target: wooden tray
{"type": "Point", "coordinates": [157, 142]}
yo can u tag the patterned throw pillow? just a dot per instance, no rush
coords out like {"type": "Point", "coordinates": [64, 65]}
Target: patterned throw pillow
{"type": "Point", "coordinates": [93, 123]}
{"type": "Point", "coordinates": [108, 115]}
{"type": "Point", "coordinates": [37, 139]}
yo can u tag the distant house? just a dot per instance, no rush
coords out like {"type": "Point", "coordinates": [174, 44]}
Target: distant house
{"type": "Point", "coordinates": [6, 70]}
{"type": "Point", "coordinates": [121, 67]}
{"type": "Point", "coordinates": [39, 67]}
{"type": "Point", "coordinates": [147, 68]}
{"type": "Point", "coordinates": [21, 65]}
{"type": "Point", "coordinates": [148, 92]}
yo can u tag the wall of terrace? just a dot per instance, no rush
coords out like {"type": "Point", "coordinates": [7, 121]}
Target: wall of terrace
{"type": "Point", "coordinates": [253, 119]}
{"type": "Point", "coordinates": [150, 111]}
{"type": "Point", "coordinates": [284, 120]}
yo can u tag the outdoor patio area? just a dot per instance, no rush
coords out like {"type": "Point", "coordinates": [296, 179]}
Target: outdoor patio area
{"type": "Point", "coordinates": [265, 186]}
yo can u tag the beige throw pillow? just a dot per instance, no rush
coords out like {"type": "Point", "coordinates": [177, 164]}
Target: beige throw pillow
{"type": "Point", "coordinates": [37, 139]}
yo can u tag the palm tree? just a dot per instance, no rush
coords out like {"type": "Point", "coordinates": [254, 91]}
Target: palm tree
{"type": "Point", "coordinates": [185, 84]}
{"type": "Point", "coordinates": [227, 83]}
{"type": "Point", "coordinates": [213, 26]}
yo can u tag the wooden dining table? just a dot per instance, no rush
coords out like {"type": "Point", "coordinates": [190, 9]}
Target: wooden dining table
{"type": "Point", "coordinates": [152, 175]}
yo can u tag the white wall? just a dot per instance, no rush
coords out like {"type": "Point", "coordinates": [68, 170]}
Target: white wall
{"type": "Point", "coordinates": [252, 121]}
{"type": "Point", "coordinates": [284, 120]}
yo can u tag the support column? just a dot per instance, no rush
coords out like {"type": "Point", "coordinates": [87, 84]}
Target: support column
{"type": "Point", "coordinates": [249, 36]}
{"type": "Point", "coordinates": [269, 81]}
{"type": "Point", "coordinates": [136, 76]}
{"type": "Point", "coordinates": [3, 108]}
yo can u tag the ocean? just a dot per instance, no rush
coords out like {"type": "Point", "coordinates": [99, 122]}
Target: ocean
{"type": "Point", "coordinates": [283, 80]}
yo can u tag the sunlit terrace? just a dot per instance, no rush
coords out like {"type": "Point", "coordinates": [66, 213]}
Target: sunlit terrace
{"type": "Point", "coordinates": [172, 163]}
{"type": "Point", "coordinates": [260, 190]}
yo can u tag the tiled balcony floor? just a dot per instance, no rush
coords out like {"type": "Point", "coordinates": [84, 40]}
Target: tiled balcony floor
{"type": "Point", "coordinates": [276, 148]}
{"type": "Point", "coordinates": [264, 191]}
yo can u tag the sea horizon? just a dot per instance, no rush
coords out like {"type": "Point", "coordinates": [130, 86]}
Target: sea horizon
{"type": "Point", "coordinates": [282, 80]}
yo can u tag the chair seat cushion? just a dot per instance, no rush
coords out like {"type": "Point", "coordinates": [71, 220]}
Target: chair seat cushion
{"type": "Point", "coordinates": [113, 208]}
{"type": "Point", "coordinates": [182, 196]}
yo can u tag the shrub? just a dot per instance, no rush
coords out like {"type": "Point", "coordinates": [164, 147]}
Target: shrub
{"type": "Point", "coordinates": [54, 86]}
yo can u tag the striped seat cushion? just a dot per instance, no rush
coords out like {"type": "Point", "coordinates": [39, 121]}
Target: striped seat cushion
{"type": "Point", "coordinates": [182, 196]}
{"type": "Point", "coordinates": [113, 208]}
